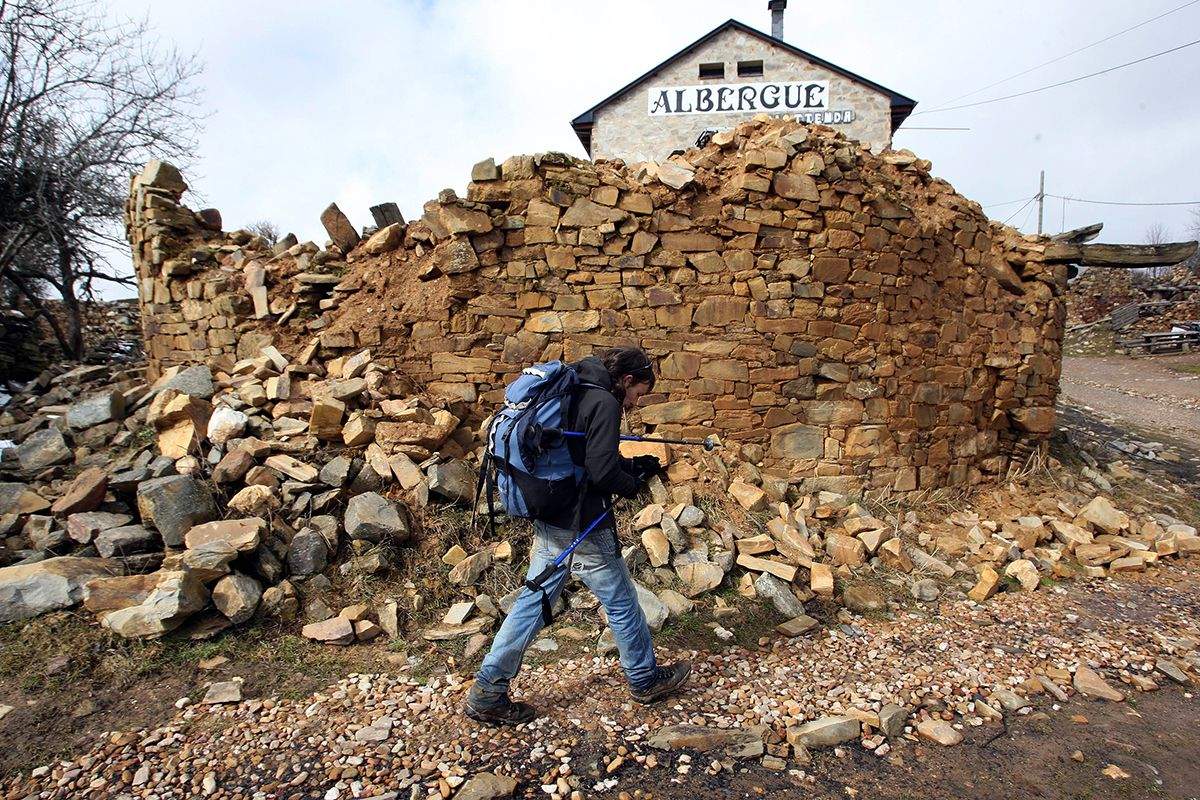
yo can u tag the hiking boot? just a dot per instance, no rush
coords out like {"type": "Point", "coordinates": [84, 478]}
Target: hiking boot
{"type": "Point", "coordinates": [500, 712]}
{"type": "Point", "coordinates": [666, 680]}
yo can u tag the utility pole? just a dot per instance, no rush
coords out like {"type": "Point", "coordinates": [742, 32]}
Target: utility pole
{"type": "Point", "coordinates": [1041, 198]}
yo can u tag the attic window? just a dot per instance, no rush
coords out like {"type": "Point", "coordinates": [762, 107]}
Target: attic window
{"type": "Point", "coordinates": [750, 69]}
{"type": "Point", "coordinates": [712, 70]}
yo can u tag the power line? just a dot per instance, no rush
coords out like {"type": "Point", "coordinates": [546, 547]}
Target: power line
{"type": "Point", "coordinates": [1060, 83]}
{"type": "Point", "coordinates": [1068, 55]}
{"type": "Point", "coordinates": [1018, 211]}
{"type": "Point", "coordinates": [1025, 221]}
{"type": "Point", "coordinates": [1122, 203]}
{"type": "Point", "coordinates": [990, 205]}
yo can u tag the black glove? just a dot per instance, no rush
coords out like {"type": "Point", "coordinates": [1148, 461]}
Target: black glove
{"type": "Point", "coordinates": [644, 467]}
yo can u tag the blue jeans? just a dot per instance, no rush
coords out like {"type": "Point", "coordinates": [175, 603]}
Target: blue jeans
{"type": "Point", "coordinates": [598, 563]}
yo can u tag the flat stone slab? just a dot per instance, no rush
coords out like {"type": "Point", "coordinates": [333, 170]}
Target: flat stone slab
{"type": "Point", "coordinates": [487, 786]}
{"type": "Point", "coordinates": [1088, 682]}
{"type": "Point", "coordinates": [223, 692]}
{"type": "Point", "coordinates": [27, 590]}
{"type": "Point", "coordinates": [826, 732]}
{"type": "Point", "coordinates": [441, 632]}
{"type": "Point", "coordinates": [736, 742]}
{"type": "Point", "coordinates": [940, 732]}
{"type": "Point", "coordinates": [797, 626]}
{"type": "Point", "coordinates": [335, 630]}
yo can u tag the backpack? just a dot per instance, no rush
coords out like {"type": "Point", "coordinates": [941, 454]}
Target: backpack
{"type": "Point", "coordinates": [527, 461]}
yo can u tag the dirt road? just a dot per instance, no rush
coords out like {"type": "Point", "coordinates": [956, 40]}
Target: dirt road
{"type": "Point", "coordinates": [1162, 392]}
{"type": "Point", "coordinates": [1148, 409]}
{"type": "Point", "coordinates": [369, 735]}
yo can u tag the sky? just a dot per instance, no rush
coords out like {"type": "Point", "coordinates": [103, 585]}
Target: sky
{"type": "Point", "coordinates": [366, 101]}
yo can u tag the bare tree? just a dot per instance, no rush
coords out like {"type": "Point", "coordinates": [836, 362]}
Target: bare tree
{"type": "Point", "coordinates": [1193, 263]}
{"type": "Point", "coordinates": [266, 229]}
{"type": "Point", "coordinates": [84, 102]}
{"type": "Point", "coordinates": [1158, 234]}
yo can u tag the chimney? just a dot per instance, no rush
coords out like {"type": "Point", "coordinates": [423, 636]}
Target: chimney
{"type": "Point", "coordinates": [777, 7]}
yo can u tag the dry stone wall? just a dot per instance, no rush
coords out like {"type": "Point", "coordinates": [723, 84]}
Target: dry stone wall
{"type": "Point", "coordinates": [834, 316]}
{"type": "Point", "coordinates": [189, 303]}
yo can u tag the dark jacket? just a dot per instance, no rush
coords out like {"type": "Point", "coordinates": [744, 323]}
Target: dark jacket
{"type": "Point", "coordinates": [596, 412]}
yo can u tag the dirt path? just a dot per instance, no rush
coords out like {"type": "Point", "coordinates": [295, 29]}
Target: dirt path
{"type": "Point", "coordinates": [367, 735]}
{"type": "Point", "coordinates": [1143, 409]}
{"type": "Point", "coordinates": [1151, 392]}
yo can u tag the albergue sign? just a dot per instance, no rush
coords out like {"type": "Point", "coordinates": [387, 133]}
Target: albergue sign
{"type": "Point", "coordinates": [774, 97]}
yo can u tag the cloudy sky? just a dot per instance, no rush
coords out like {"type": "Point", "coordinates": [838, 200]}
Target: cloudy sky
{"type": "Point", "coordinates": [365, 101]}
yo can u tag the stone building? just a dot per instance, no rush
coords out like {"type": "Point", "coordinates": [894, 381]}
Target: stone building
{"type": "Point", "coordinates": [726, 77]}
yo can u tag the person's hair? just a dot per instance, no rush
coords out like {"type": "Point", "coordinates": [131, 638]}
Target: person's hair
{"type": "Point", "coordinates": [633, 361]}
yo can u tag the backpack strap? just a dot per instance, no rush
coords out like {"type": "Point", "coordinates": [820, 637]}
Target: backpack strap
{"type": "Point", "coordinates": [486, 482]}
{"type": "Point", "coordinates": [538, 584]}
{"type": "Point", "coordinates": [582, 388]}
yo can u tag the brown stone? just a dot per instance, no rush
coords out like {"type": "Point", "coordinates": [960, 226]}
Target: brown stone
{"type": "Point", "coordinates": [785, 572]}
{"type": "Point", "coordinates": [821, 580]}
{"type": "Point", "coordinates": [242, 535]}
{"type": "Point", "coordinates": [85, 493]}
{"type": "Point", "coordinates": [845, 550]}
{"type": "Point", "coordinates": [987, 585]}
{"type": "Point", "coordinates": [385, 239]}
{"type": "Point", "coordinates": [749, 497]}
{"type": "Point", "coordinates": [359, 431]}
{"type": "Point", "coordinates": [719, 311]}
{"type": "Point", "coordinates": [677, 411]}
{"type": "Point", "coordinates": [292, 468]}
{"type": "Point", "coordinates": [1088, 682]}
{"type": "Point", "coordinates": [795, 187]}
{"type": "Point", "coordinates": [798, 440]}
{"type": "Point", "coordinates": [335, 630]}
{"type": "Point", "coordinates": [325, 420]}
{"type": "Point", "coordinates": [339, 228]}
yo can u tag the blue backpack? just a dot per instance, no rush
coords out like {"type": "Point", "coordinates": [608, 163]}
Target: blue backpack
{"type": "Point", "coordinates": [527, 460]}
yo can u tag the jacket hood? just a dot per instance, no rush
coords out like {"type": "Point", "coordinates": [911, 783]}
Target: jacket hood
{"type": "Point", "coordinates": [592, 370]}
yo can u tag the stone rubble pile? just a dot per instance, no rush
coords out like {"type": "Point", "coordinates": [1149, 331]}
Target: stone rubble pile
{"type": "Point", "coordinates": [1098, 291]}
{"type": "Point", "coordinates": [1171, 301]}
{"type": "Point", "coordinates": [838, 320]}
{"type": "Point", "coordinates": [238, 493]}
{"type": "Point", "coordinates": [829, 546]}
{"type": "Point", "coordinates": [112, 334]}
{"type": "Point", "coordinates": [231, 494]}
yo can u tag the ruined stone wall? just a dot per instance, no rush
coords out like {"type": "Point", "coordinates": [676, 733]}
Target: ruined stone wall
{"type": "Point", "coordinates": [190, 302]}
{"type": "Point", "coordinates": [834, 316]}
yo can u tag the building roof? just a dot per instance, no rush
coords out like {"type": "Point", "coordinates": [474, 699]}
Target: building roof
{"type": "Point", "coordinates": [901, 106]}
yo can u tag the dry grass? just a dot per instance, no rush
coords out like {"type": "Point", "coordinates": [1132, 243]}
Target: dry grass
{"type": "Point", "coordinates": [1190, 369]}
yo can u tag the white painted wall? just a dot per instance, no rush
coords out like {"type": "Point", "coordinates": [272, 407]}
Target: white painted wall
{"type": "Point", "coordinates": [623, 128]}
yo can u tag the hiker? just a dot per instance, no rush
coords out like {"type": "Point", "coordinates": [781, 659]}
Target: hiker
{"type": "Point", "coordinates": [606, 387]}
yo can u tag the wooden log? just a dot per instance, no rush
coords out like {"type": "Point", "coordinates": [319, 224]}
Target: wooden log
{"type": "Point", "coordinates": [1080, 235]}
{"type": "Point", "coordinates": [1121, 256]}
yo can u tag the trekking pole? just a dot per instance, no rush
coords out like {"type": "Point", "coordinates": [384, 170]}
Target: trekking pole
{"type": "Point", "coordinates": [566, 553]}
{"type": "Point", "coordinates": [709, 443]}
{"type": "Point", "coordinates": [535, 584]}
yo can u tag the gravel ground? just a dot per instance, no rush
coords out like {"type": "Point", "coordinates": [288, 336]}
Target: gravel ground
{"type": "Point", "coordinates": [372, 734]}
{"type": "Point", "coordinates": [1146, 392]}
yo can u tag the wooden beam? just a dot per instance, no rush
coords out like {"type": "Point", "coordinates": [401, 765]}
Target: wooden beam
{"type": "Point", "coordinates": [1080, 235]}
{"type": "Point", "coordinates": [1121, 256]}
